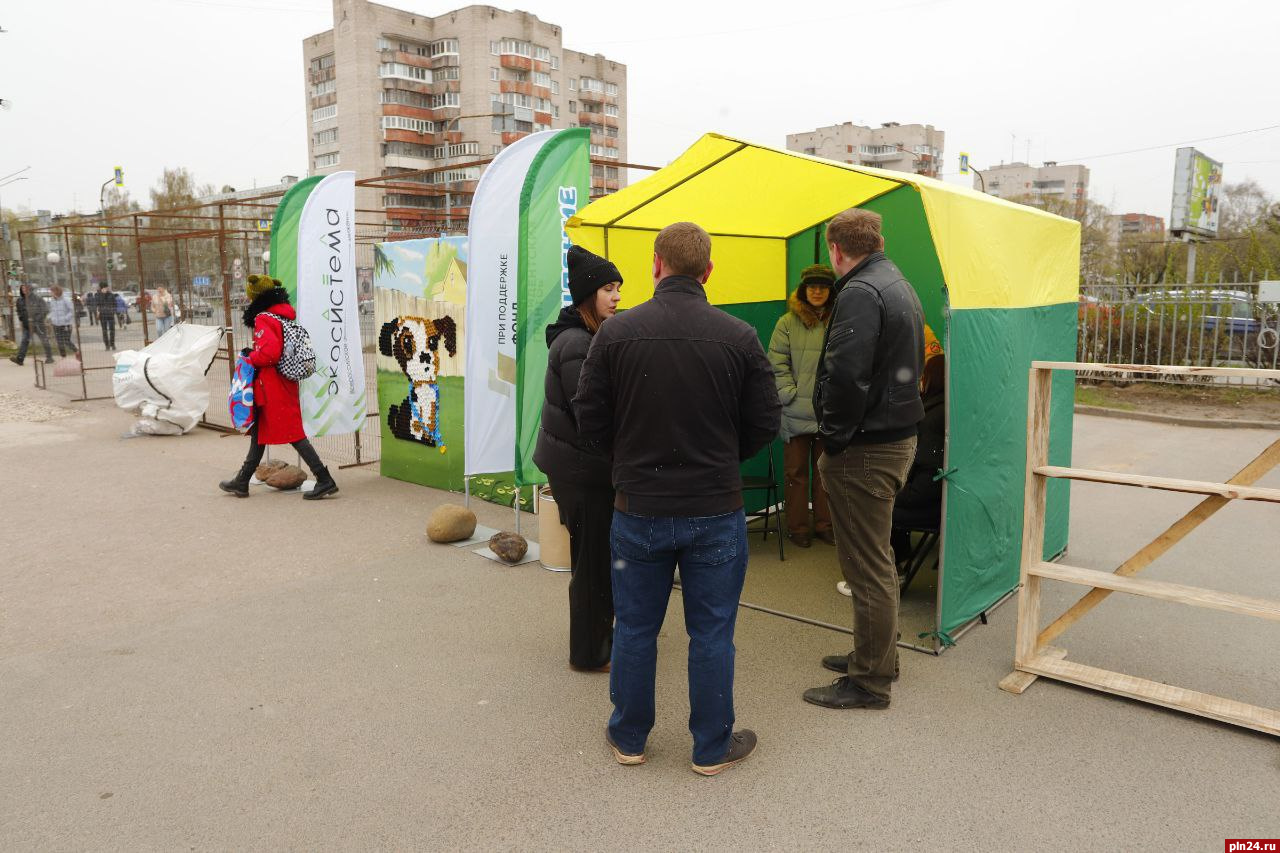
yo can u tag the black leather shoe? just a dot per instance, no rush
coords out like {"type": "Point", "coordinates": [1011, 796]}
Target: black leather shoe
{"type": "Point", "coordinates": [239, 484]}
{"type": "Point", "coordinates": [741, 744]}
{"type": "Point", "coordinates": [840, 664]}
{"type": "Point", "coordinates": [324, 486]}
{"type": "Point", "coordinates": [800, 540]}
{"type": "Point", "coordinates": [842, 694]}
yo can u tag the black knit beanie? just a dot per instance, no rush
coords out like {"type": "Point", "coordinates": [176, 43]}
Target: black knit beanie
{"type": "Point", "coordinates": [588, 273]}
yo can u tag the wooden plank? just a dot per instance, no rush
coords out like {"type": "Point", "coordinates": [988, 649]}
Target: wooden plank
{"type": "Point", "coordinates": [1158, 369]}
{"type": "Point", "coordinates": [1166, 484]}
{"type": "Point", "coordinates": [1149, 553]}
{"type": "Point", "coordinates": [1177, 698]}
{"type": "Point", "coordinates": [1039, 397]}
{"type": "Point", "coordinates": [1175, 592]}
{"type": "Point", "coordinates": [1018, 681]}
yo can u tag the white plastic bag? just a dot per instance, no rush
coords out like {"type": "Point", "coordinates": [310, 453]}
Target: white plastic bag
{"type": "Point", "coordinates": [166, 382]}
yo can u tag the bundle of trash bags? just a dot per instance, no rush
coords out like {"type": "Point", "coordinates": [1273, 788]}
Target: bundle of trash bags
{"type": "Point", "coordinates": [167, 382]}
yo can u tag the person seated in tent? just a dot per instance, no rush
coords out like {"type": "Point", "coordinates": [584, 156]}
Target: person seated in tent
{"type": "Point", "coordinates": [919, 504]}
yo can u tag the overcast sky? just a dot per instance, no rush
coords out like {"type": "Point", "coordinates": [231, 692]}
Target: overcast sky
{"type": "Point", "coordinates": [217, 85]}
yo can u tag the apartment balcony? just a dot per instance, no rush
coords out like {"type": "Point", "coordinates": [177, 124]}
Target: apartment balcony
{"type": "Point", "coordinates": [508, 138]}
{"type": "Point", "coordinates": [585, 118]}
{"type": "Point", "coordinates": [419, 86]}
{"type": "Point", "coordinates": [517, 87]}
{"type": "Point", "coordinates": [407, 111]}
{"type": "Point", "coordinates": [441, 86]}
{"type": "Point", "coordinates": [320, 76]}
{"type": "Point", "coordinates": [407, 161]}
{"type": "Point", "coordinates": [542, 118]}
{"type": "Point", "coordinates": [515, 63]}
{"type": "Point", "coordinates": [541, 91]}
{"type": "Point", "coordinates": [406, 58]}
{"type": "Point", "coordinates": [591, 96]}
{"type": "Point", "coordinates": [398, 135]}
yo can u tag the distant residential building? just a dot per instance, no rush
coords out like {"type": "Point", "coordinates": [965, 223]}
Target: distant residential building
{"type": "Point", "coordinates": [390, 92]}
{"type": "Point", "coordinates": [901, 147]}
{"type": "Point", "coordinates": [1120, 225]}
{"type": "Point", "coordinates": [1031, 184]}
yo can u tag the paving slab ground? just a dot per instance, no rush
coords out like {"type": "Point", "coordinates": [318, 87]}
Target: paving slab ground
{"type": "Point", "coordinates": [181, 669]}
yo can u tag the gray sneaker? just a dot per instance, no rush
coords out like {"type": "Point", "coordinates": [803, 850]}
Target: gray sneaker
{"type": "Point", "coordinates": [741, 744]}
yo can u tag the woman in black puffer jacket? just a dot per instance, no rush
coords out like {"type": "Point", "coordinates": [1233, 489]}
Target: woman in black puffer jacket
{"type": "Point", "coordinates": [581, 480]}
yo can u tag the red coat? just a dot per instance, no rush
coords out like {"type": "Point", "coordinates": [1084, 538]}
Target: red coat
{"type": "Point", "coordinates": [279, 416]}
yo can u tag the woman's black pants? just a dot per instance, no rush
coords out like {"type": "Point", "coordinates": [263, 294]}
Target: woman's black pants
{"type": "Point", "coordinates": [303, 446]}
{"type": "Point", "coordinates": [587, 512]}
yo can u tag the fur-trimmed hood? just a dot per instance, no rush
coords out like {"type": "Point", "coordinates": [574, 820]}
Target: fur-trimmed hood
{"type": "Point", "coordinates": [808, 315]}
{"type": "Point", "coordinates": [273, 297]}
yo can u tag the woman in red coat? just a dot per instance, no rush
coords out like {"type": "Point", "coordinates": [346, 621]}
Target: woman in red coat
{"type": "Point", "coordinates": [277, 413]}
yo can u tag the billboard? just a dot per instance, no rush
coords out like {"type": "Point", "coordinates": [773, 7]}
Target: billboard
{"type": "Point", "coordinates": [1197, 191]}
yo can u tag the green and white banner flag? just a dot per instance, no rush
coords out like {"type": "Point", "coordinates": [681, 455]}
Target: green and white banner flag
{"type": "Point", "coordinates": [558, 183]}
{"type": "Point", "coordinates": [313, 253]}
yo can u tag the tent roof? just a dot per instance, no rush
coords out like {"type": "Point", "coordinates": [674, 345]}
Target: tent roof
{"type": "Point", "coordinates": [993, 253]}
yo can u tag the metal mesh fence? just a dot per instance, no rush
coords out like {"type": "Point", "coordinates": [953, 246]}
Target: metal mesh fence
{"type": "Point", "coordinates": [132, 276]}
{"type": "Point", "coordinates": [1223, 324]}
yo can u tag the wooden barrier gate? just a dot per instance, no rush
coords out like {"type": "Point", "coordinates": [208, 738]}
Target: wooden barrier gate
{"type": "Point", "coordinates": [1033, 656]}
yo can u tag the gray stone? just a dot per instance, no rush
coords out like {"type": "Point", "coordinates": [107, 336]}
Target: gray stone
{"type": "Point", "coordinates": [451, 523]}
{"type": "Point", "coordinates": [510, 547]}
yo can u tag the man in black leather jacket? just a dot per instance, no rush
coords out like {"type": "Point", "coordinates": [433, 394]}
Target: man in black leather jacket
{"type": "Point", "coordinates": [867, 401]}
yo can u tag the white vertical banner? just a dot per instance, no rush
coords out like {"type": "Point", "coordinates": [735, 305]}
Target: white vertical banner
{"type": "Point", "coordinates": [489, 410]}
{"type": "Point", "coordinates": [333, 400]}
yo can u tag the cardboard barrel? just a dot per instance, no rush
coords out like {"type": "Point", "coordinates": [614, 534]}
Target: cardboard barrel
{"type": "Point", "coordinates": [553, 537]}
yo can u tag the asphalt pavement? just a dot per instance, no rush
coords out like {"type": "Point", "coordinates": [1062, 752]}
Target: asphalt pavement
{"type": "Point", "coordinates": [182, 669]}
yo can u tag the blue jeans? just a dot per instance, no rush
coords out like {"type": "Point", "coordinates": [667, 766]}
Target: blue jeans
{"type": "Point", "coordinates": [712, 555]}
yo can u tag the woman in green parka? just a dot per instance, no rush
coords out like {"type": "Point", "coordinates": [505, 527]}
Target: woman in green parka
{"type": "Point", "coordinates": [795, 350]}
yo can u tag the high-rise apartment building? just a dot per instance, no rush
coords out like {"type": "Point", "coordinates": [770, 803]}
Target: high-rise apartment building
{"type": "Point", "coordinates": [1120, 225]}
{"type": "Point", "coordinates": [391, 92]}
{"type": "Point", "coordinates": [902, 147]}
{"type": "Point", "coordinates": [1032, 185]}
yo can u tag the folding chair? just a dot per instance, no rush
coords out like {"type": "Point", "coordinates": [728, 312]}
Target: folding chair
{"type": "Point", "coordinates": [769, 485]}
{"type": "Point", "coordinates": [909, 566]}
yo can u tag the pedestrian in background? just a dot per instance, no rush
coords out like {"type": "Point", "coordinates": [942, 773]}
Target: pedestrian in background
{"type": "Point", "coordinates": [162, 308]}
{"type": "Point", "coordinates": [580, 476]}
{"type": "Point", "coordinates": [795, 350]}
{"type": "Point", "coordinates": [32, 314]}
{"type": "Point", "coordinates": [62, 314]}
{"type": "Point", "coordinates": [682, 394]}
{"type": "Point", "coordinates": [104, 305]}
{"type": "Point", "coordinates": [122, 310]}
{"type": "Point", "coordinates": [867, 400]}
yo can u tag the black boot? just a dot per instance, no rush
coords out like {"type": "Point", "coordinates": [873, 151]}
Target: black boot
{"type": "Point", "coordinates": [239, 485]}
{"type": "Point", "coordinates": [324, 485]}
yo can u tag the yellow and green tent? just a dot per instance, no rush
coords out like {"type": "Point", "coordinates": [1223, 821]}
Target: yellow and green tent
{"type": "Point", "coordinates": [1001, 281]}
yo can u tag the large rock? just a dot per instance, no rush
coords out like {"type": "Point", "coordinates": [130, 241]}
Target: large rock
{"type": "Point", "coordinates": [266, 469]}
{"type": "Point", "coordinates": [510, 547]}
{"type": "Point", "coordinates": [451, 523]}
{"type": "Point", "coordinates": [288, 477]}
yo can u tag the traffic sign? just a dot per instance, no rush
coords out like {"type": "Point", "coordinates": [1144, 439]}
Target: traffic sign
{"type": "Point", "coordinates": [200, 281]}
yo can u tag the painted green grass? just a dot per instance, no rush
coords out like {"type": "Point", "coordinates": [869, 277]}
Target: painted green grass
{"type": "Point", "coordinates": [415, 462]}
